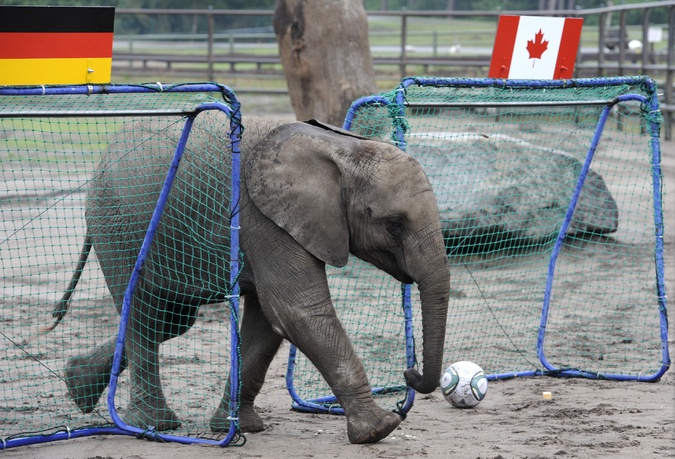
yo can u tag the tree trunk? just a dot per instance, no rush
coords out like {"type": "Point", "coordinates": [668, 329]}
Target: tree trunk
{"type": "Point", "coordinates": [324, 49]}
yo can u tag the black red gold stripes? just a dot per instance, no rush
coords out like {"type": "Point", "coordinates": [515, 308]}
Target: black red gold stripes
{"type": "Point", "coordinates": [55, 45]}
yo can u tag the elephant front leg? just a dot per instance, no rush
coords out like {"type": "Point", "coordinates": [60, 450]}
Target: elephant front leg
{"type": "Point", "coordinates": [147, 405]}
{"type": "Point", "coordinates": [259, 345]}
{"type": "Point", "coordinates": [309, 321]}
{"type": "Point", "coordinates": [331, 352]}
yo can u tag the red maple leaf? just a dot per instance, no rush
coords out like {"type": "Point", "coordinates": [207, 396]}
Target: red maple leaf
{"type": "Point", "coordinates": [537, 47]}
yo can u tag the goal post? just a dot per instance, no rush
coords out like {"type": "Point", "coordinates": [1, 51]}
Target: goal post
{"type": "Point", "coordinates": [53, 138]}
{"type": "Point", "coordinates": [550, 197]}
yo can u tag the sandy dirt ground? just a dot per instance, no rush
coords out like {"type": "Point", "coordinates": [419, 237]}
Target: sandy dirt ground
{"type": "Point", "coordinates": [584, 419]}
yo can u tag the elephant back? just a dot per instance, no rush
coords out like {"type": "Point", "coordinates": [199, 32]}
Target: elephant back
{"type": "Point", "coordinates": [189, 257]}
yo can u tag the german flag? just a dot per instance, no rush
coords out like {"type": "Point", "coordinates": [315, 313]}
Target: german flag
{"type": "Point", "coordinates": [55, 45]}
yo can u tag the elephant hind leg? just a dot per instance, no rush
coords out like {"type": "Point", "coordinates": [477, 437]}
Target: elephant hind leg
{"type": "Point", "coordinates": [87, 375]}
{"type": "Point", "coordinates": [150, 411]}
{"type": "Point", "coordinates": [147, 406]}
{"type": "Point", "coordinates": [259, 345]}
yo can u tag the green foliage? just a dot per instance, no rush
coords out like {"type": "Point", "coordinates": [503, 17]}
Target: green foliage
{"type": "Point", "coordinates": [634, 17]}
{"type": "Point", "coordinates": [143, 23]}
{"type": "Point", "coordinates": [166, 4]}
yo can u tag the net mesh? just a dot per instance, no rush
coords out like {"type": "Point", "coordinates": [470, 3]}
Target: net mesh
{"type": "Point", "coordinates": [504, 162]}
{"type": "Point", "coordinates": [114, 150]}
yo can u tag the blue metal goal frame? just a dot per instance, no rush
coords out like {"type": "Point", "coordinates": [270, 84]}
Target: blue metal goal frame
{"type": "Point", "coordinates": [232, 108]}
{"type": "Point", "coordinates": [397, 104]}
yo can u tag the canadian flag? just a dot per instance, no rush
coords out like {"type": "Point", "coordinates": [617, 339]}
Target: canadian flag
{"type": "Point", "coordinates": [535, 47]}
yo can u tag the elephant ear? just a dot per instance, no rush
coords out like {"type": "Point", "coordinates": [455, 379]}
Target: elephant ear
{"type": "Point", "coordinates": [291, 176]}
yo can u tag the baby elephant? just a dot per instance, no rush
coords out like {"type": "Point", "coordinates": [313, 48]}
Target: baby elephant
{"type": "Point", "coordinates": [311, 194]}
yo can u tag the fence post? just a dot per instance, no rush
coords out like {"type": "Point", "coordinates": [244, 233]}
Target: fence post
{"type": "Point", "coordinates": [131, 50]}
{"type": "Point", "coordinates": [622, 41]}
{"type": "Point", "coordinates": [404, 41]}
{"type": "Point", "coordinates": [210, 47]}
{"type": "Point", "coordinates": [670, 71]}
{"type": "Point", "coordinates": [646, 49]}
{"type": "Point", "coordinates": [602, 35]}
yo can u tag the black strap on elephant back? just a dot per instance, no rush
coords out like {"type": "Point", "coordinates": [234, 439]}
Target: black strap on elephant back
{"type": "Point", "coordinates": [337, 130]}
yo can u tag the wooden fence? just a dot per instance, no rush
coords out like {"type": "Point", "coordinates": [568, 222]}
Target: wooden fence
{"type": "Point", "coordinates": [606, 49]}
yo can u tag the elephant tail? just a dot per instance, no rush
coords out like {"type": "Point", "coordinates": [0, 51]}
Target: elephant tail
{"type": "Point", "coordinates": [61, 307]}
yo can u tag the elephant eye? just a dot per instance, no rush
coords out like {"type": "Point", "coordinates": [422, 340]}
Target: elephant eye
{"type": "Point", "coordinates": [396, 227]}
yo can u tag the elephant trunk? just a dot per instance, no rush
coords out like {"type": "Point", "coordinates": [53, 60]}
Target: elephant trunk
{"type": "Point", "coordinates": [434, 291]}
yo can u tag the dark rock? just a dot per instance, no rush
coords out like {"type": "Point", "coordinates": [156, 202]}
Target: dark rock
{"type": "Point", "coordinates": [500, 192]}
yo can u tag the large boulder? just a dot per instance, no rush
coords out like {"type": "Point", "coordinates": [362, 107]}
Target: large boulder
{"type": "Point", "coordinates": [499, 192]}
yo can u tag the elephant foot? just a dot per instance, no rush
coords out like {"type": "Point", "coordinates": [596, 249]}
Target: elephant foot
{"type": "Point", "coordinates": [372, 426]}
{"type": "Point", "coordinates": [84, 385]}
{"type": "Point", "coordinates": [145, 414]}
{"type": "Point", "coordinates": [249, 420]}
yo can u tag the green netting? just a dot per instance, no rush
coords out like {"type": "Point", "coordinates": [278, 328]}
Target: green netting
{"type": "Point", "coordinates": [504, 161]}
{"type": "Point", "coordinates": [503, 177]}
{"type": "Point", "coordinates": [50, 150]}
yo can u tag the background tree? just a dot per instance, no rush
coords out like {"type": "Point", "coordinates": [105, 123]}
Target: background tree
{"type": "Point", "coordinates": [325, 53]}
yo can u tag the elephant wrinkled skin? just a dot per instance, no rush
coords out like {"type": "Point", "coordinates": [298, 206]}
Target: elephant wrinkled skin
{"type": "Point", "coordinates": [310, 194]}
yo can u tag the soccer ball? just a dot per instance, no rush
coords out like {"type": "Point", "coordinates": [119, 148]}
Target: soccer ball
{"type": "Point", "coordinates": [464, 384]}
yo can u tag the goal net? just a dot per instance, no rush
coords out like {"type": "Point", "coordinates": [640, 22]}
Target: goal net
{"type": "Point", "coordinates": [550, 198]}
{"type": "Point", "coordinates": [55, 367]}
